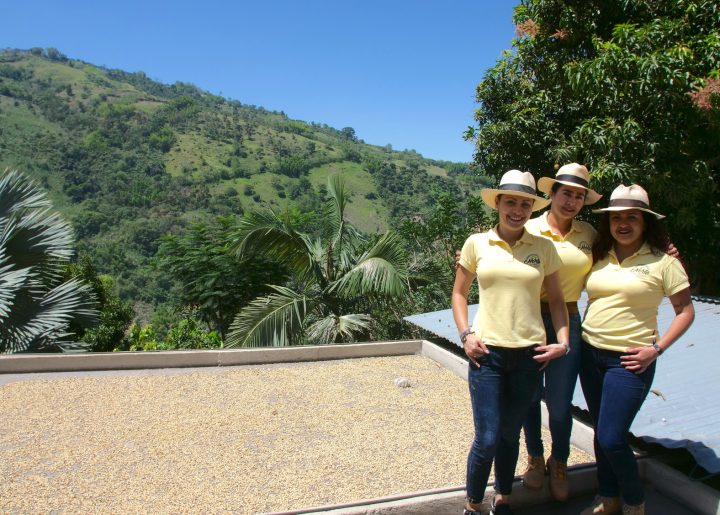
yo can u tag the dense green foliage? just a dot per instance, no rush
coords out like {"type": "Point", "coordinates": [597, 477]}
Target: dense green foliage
{"type": "Point", "coordinates": [115, 314]}
{"type": "Point", "coordinates": [36, 304]}
{"type": "Point", "coordinates": [208, 276]}
{"type": "Point", "coordinates": [628, 87]}
{"type": "Point", "coordinates": [129, 161]}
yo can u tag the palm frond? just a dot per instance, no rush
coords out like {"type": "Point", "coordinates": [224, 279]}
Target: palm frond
{"type": "Point", "coordinates": [34, 323]}
{"type": "Point", "coordinates": [11, 282]}
{"type": "Point", "coordinates": [267, 233]}
{"type": "Point", "coordinates": [382, 270]}
{"type": "Point", "coordinates": [18, 193]}
{"type": "Point", "coordinates": [328, 329]}
{"type": "Point", "coordinates": [345, 237]}
{"type": "Point", "coordinates": [35, 244]}
{"type": "Point", "coordinates": [273, 321]}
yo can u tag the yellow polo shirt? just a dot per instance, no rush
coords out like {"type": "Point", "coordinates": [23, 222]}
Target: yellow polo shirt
{"type": "Point", "coordinates": [509, 282]}
{"type": "Point", "coordinates": [575, 251]}
{"type": "Point", "coordinates": [623, 298]}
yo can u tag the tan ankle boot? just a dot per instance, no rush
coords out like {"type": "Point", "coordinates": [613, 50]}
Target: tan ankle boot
{"type": "Point", "coordinates": [603, 505]}
{"type": "Point", "coordinates": [559, 487]}
{"type": "Point", "coordinates": [534, 476]}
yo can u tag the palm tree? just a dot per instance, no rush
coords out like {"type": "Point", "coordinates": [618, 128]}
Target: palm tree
{"type": "Point", "coordinates": [336, 280]}
{"type": "Point", "coordinates": [35, 245]}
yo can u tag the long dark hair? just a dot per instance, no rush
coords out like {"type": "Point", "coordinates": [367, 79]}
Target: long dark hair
{"type": "Point", "coordinates": [655, 235]}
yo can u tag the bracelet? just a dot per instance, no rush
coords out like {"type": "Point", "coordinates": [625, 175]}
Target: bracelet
{"type": "Point", "coordinates": [567, 347]}
{"type": "Point", "coordinates": [657, 348]}
{"type": "Point", "coordinates": [465, 333]}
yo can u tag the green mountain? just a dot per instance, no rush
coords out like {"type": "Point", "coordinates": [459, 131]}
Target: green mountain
{"type": "Point", "coordinates": [127, 160]}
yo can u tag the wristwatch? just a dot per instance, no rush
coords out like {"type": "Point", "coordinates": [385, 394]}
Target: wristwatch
{"type": "Point", "coordinates": [465, 333]}
{"type": "Point", "coordinates": [567, 347]}
{"type": "Point", "coordinates": [657, 348]}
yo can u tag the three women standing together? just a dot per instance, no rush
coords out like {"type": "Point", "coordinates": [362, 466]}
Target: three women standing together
{"type": "Point", "coordinates": [529, 279]}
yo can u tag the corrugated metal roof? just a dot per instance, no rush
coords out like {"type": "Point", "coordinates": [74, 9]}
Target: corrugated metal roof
{"type": "Point", "coordinates": [684, 409]}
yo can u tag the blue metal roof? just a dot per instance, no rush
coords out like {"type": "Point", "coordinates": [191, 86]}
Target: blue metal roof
{"type": "Point", "coordinates": [684, 409]}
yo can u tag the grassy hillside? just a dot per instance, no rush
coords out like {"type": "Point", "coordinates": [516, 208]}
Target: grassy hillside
{"type": "Point", "coordinates": [128, 160]}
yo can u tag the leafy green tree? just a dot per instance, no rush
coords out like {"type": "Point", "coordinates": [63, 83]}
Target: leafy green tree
{"type": "Point", "coordinates": [36, 305]}
{"type": "Point", "coordinates": [115, 314]}
{"type": "Point", "coordinates": [626, 88]}
{"type": "Point", "coordinates": [337, 278]}
{"type": "Point", "coordinates": [188, 334]}
{"type": "Point", "coordinates": [209, 277]}
{"type": "Point", "coordinates": [349, 134]}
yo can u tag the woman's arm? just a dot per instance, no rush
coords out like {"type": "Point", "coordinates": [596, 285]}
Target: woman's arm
{"type": "Point", "coordinates": [473, 345]}
{"type": "Point", "coordinates": [638, 359]}
{"type": "Point", "coordinates": [561, 323]}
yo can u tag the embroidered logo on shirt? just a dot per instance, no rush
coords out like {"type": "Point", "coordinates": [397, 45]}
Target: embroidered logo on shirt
{"type": "Point", "coordinates": [585, 247]}
{"type": "Point", "coordinates": [532, 260]}
{"type": "Point", "coordinates": [642, 270]}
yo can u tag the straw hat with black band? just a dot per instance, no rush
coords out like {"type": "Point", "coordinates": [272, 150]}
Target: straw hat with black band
{"type": "Point", "coordinates": [624, 198]}
{"type": "Point", "coordinates": [572, 174]}
{"type": "Point", "coordinates": [517, 183]}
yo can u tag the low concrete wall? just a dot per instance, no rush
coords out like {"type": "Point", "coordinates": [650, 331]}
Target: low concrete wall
{"type": "Point", "coordinates": [28, 363]}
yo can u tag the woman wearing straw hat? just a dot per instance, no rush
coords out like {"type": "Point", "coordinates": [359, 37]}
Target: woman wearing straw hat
{"type": "Point", "coordinates": [631, 273]}
{"type": "Point", "coordinates": [506, 343]}
{"type": "Point", "coordinates": [569, 191]}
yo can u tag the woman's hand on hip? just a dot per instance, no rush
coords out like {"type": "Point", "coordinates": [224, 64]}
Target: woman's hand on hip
{"type": "Point", "coordinates": [547, 353]}
{"type": "Point", "coordinates": [638, 359]}
{"type": "Point", "coordinates": [475, 349]}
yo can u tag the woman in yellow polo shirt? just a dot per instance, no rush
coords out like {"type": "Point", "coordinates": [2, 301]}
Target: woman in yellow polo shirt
{"type": "Point", "coordinates": [506, 343]}
{"type": "Point", "coordinates": [569, 191]}
{"type": "Point", "coordinates": [630, 276]}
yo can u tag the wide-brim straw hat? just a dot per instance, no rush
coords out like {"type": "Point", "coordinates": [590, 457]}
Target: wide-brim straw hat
{"type": "Point", "coordinates": [624, 198]}
{"type": "Point", "coordinates": [517, 183]}
{"type": "Point", "coordinates": [572, 174]}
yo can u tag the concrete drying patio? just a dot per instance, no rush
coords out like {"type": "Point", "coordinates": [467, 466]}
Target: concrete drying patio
{"type": "Point", "coordinates": [256, 430]}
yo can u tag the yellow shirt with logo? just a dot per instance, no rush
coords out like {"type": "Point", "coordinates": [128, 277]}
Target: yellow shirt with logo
{"type": "Point", "coordinates": [623, 298]}
{"type": "Point", "coordinates": [509, 282]}
{"type": "Point", "coordinates": [575, 251]}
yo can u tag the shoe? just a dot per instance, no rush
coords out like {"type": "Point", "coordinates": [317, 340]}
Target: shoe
{"type": "Point", "coordinates": [603, 505]}
{"type": "Point", "coordinates": [500, 509]}
{"type": "Point", "coordinates": [628, 509]}
{"type": "Point", "coordinates": [557, 471]}
{"type": "Point", "coordinates": [534, 476]}
{"type": "Point", "coordinates": [472, 503]}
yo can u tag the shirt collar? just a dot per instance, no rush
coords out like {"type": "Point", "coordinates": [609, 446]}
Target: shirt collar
{"type": "Point", "coordinates": [644, 249]}
{"type": "Point", "coordinates": [544, 227]}
{"type": "Point", "coordinates": [495, 238]}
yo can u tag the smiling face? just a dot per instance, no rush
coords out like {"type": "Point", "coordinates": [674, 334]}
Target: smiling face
{"type": "Point", "coordinates": [627, 228]}
{"type": "Point", "coordinates": [567, 201]}
{"type": "Point", "coordinates": [513, 212]}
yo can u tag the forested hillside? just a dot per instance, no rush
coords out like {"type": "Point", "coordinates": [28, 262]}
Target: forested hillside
{"type": "Point", "coordinates": [128, 161]}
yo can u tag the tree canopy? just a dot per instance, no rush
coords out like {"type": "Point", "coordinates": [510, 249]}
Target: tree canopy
{"type": "Point", "coordinates": [630, 88]}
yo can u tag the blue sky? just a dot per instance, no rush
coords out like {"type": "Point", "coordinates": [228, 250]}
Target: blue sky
{"type": "Point", "coordinates": [402, 72]}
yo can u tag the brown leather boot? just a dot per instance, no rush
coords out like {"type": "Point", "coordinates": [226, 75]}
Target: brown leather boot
{"type": "Point", "coordinates": [603, 506]}
{"type": "Point", "coordinates": [559, 487]}
{"type": "Point", "coordinates": [534, 476]}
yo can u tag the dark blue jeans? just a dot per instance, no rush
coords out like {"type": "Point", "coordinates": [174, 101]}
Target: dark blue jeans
{"type": "Point", "coordinates": [560, 379]}
{"type": "Point", "coordinates": [501, 391]}
{"type": "Point", "coordinates": [614, 396]}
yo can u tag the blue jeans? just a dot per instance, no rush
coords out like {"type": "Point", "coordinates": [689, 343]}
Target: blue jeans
{"type": "Point", "coordinates": [501, 391]}
{"type": "Point", "coordinates": [560, 379]}
{"type": "Point", "coordinates": [614, 396]}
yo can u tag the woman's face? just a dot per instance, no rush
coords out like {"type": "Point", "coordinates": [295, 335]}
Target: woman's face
{"type": "Point", "coordinates": [513, 211]}
{"type": "Point", "coordinates": [627, 227]}
{"type": "Point", "coordinates": [567, 201]}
